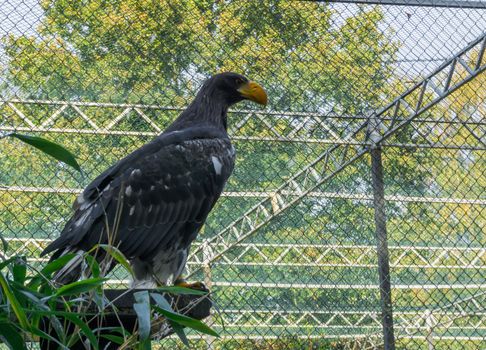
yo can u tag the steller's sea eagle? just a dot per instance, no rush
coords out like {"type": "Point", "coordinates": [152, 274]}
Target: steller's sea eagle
{"type": "Point", "coordinates": [152, 203]}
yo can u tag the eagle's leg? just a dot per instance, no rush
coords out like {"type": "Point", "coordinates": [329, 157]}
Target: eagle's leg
{"type": "Point", "coordinates": [181, 282]}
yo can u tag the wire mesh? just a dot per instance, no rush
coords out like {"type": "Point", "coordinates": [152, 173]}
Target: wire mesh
{"type": "Point", "coordinates": [289, 252]}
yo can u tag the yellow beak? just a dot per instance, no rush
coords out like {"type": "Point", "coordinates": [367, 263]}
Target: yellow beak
{"type": "Point", "coordinates": [253, 92]}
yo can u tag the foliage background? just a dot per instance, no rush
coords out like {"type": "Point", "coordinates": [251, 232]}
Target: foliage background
{"type": "Point", "coordinates": [338, 61]}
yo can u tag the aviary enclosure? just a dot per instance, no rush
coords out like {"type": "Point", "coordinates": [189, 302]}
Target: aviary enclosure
{"type": "Point", "coordinates": [356, 215]}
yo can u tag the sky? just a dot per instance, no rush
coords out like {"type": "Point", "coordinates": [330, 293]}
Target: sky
{"type": "Point", "coordinates": [428, 36]}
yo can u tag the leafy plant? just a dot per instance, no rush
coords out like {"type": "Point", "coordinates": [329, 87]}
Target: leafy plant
{"type": "Point", "coordinates": [29, 299]}
{"type": "Point", "coordinates": [53, 149]}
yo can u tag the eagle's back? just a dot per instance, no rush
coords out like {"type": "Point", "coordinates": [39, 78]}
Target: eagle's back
{"type": "Point", "coordinates": [155, 200]}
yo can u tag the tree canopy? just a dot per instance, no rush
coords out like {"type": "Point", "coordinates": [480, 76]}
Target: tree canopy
{"type": "Point", "coordinates": [309, 57]}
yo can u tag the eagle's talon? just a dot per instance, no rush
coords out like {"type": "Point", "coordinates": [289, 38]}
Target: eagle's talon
{"type": "Point", "coordinates": [194, 285]}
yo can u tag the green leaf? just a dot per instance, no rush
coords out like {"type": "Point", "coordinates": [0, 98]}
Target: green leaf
{"type": "Point", "coordinates": [56, 324]}
{"type": "Point", "coordinates": [145, 345]}
{"type": "Point", "coordinates": [79, 287]}
{"type": "Point", "coordinates": [17, 308]}
{"type": "Point", "coordinates": [124, 334]}
{"type": "Point", "coordinates": [93, 264]}
{"type": "Point", "coordinates": [74, 318]}
{"type": "Point", "coordinates": [42, 334]}
{"type": "Point", "coordinates": [179, 330]}
{"type": "Point", "coordinates": [181, 290]}
{"type": "Point", "coordinates": [19, 270]}
{"type": "Point", "coordinates": [161, 302]}
{"type": "Point", "coordinates": [122, 331]}
{"type": "Point", "coordinates": [142, 297]}
{"type": "Point", "coordinates": [116, 254]}
{"type": "Point", "coordinates": [11, 336]}
{"type": "Point", "coordinates": [50, 268]}
{"type": "Point", "coordinates": [142, 309]}
{"type": "Point", "coordinates": [143, 315]}
{"type": "Point", "coordinates": [7, 262]}
{"type": "Point", "coordinates": [187, 322]}
{"type": "Point", "coordinates": [33, 298]}
{"type": "Point", "coordinates": [164, 308]}
{"type": "Point", "coordinates": [114, 338]}
{"type": "Point", "coordinates": [85, 330]}
{"type": "Point", "coordinates": [57, 264]}
{"type": "Point", "coordinates": [53, 149]}
{"type": "Point", "coordinates": [4, 243]}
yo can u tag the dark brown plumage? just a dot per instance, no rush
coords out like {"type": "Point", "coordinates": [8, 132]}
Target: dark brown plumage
{"type": "Point", "coordinates": [152, 203]}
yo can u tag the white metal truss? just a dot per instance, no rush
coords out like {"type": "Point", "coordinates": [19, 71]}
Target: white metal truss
{"type": "Point", "coordinates": [466, 314]}
{"type": "Point", "coordinates": [277, 126]}
{"type": "Point", "coordinates": [302, 255]}
{"type": "Point", "coordinates": [318, 255]}
{"type": "Point", "coordinates": [447, 317]}
{"type": "Point", "coordinates": [407, 321]}
{"type": "Point", "coordinates": [399, 113]}
{"type": "Point", "coordinates": [450, 76]}
{"type": "Point", "coordinates": [439, 323]}
{"type": "Point", "coordinates": [355, 339]}
{"type": "Point", "coordinates": [282, 126]}
{"type": "Point", "coordinates": [271, 194]}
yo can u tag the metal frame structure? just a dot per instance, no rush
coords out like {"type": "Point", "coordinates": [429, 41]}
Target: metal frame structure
{"type": "Point", "coordinates": [468, 4]}
{"type": "Point", "coordinates": [434, 319]}
{"type": "Point", "coordinates": [321, 256]}
{"type": "Point", "coordinates": [369, 134]}
{"type": "Point", "coordinates": [330, 163]}
{"type": "Point", "coordinates": [301, 132]}
{"type": "Point", "coordinates": [271, 194]}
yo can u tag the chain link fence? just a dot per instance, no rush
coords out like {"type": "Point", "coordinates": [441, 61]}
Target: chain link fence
{"type": "Point", "coordinates": [356, 215]}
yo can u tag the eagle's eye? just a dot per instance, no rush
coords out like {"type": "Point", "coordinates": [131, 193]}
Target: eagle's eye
{"type": "Point", "coordinates": [239, 81]}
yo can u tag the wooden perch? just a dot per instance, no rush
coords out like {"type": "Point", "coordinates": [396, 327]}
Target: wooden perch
{"type": "Point", "coordinates": [194, 306]}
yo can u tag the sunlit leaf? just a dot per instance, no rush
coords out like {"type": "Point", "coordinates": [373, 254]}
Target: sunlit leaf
{"type": "Point", "coordinates": [93, 264]}
{"type": "Point", "coordinates": [15, 305]}
{"type": "Point", "coordinates": [53, 149]}
{"type": "Point", "coordinates": [7, 262]}
{"type": "Point", "coordinates": [79, 287]}
{"type": "Point", "coordinates": [164, 308]}
{"type": "Point", "coordinates": [116, 254]}
{"type": "Point", "coordinates": [19, 270]}
{"type": "Point", "coordinates": [4, 243]}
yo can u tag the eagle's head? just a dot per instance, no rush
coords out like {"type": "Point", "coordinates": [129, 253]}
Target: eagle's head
{"type": "Point", "coordinates": [217, 94]}
{"type": "Point", "coordinates": [230, 88]}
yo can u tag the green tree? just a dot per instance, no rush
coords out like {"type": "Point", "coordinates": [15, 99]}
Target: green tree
{"type": "Point", "coordinates": [157, 52]}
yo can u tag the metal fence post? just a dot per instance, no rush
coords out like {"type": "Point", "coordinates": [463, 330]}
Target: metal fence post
{"type": "Point", "coordinates": [430, 323]}
{"type": "Point", "coordinates": [381, 237]}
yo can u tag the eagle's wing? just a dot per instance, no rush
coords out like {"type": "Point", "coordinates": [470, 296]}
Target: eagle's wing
{"type": "Point", "coordinates": [153, 196]}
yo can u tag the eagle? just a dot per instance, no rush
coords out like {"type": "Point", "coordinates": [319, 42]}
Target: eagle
{"type": "Point", "coordinates": [152, 203]}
